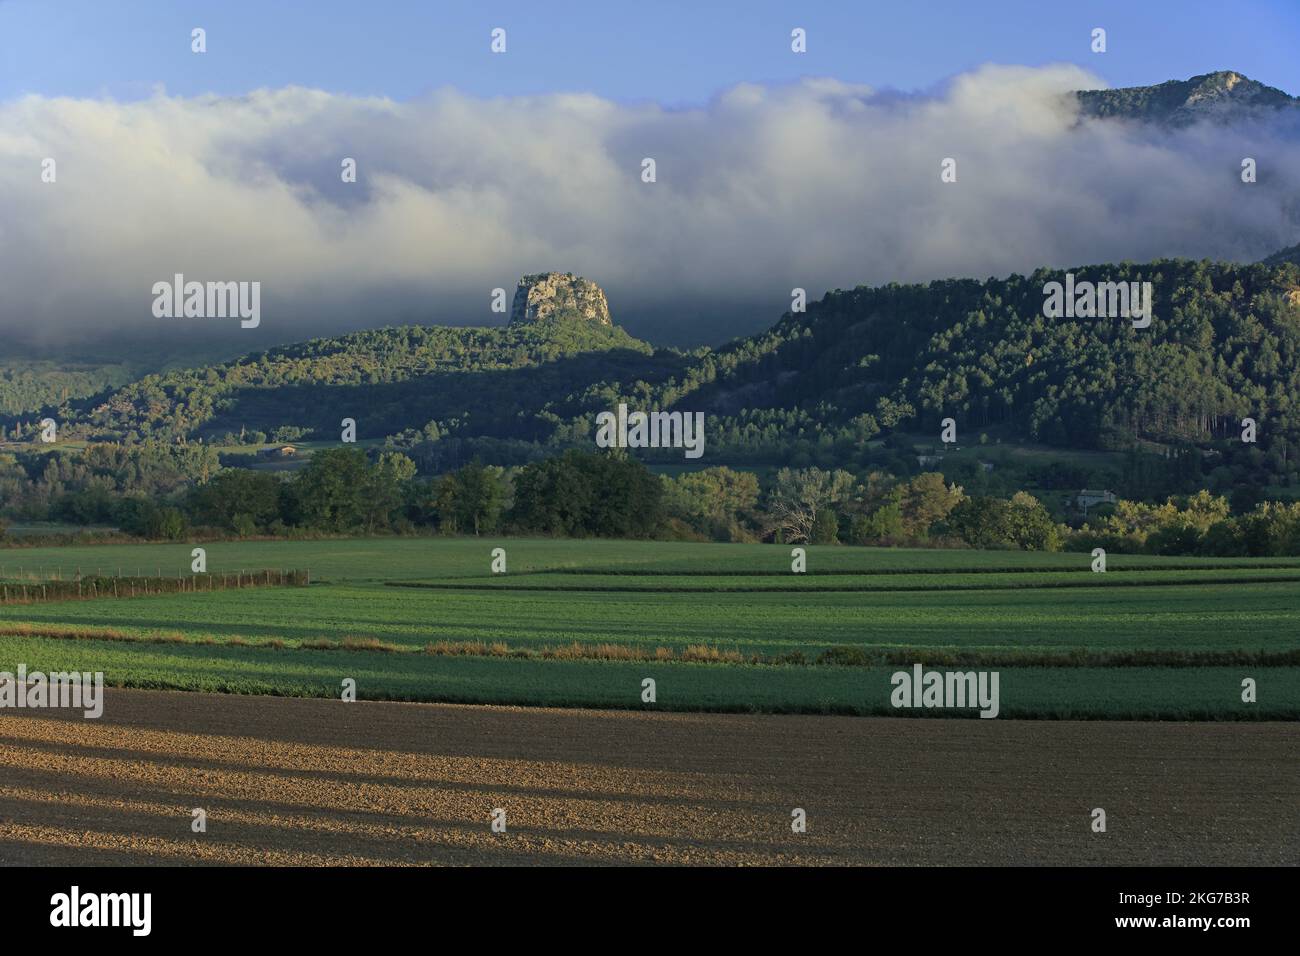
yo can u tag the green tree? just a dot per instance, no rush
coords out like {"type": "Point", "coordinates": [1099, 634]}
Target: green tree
{"type": "Point", "coordinates": [883, 524]}
{"type": "Point", "coordinates": [332, 491]}
{"type": "Point", "coordinates": [1029, 526]}
{"type": "Point", "coordinates": [252, 496]}
{"type": "Point", "coordinates": [925, 501]}
{"type": "Point", "coordinates": [719, 501]}
{"type": "Point", "coordinates": [826, 527]}
{"type": "Point", "coordinates": [471, 499]}
{"type": "Point", "coordinates": [389, 484]}
{"type": "Point", "coordinates": [580, 493]}
{"type": "Point", "coordinates": [982, 522]}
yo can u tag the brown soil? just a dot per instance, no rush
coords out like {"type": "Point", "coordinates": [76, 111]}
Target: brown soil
{"type": "Point", "coordinates": [311, 782]}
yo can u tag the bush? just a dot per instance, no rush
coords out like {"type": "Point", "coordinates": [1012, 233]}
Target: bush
{"type": "Point", "coordinates": [825, 528]}
{"type": "Point", "coordinates": [883, 524]}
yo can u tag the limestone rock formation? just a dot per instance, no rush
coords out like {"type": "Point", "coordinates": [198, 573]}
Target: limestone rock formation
{"type": "Point", "coordinates": [559, 295]}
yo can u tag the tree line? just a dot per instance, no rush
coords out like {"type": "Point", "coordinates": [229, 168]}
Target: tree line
{"type": "Point", "coordinates": [344, 490]}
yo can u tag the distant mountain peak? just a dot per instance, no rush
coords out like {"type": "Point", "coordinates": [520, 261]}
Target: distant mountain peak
{"type": "Point", "coordinates": [559, 295]}
{"type": "Point", "coordinates": [1223, 96]}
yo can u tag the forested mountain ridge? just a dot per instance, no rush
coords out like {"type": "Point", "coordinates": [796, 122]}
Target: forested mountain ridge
{"type": "Point", "coordinates": [1223, 345]}
{"type": "Point", "coordinates": [388, 378]}
{"type": "Point", "coordinates": [1221, 97]}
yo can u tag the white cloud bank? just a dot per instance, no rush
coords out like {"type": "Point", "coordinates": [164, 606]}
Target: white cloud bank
{"type": "Point", "coordinates": [819, 185]}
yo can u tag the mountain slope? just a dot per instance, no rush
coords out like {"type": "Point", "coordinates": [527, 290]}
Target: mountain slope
{"type": "Point", "coordinates": [386, 379]}
{"type": "Point", "coordinates": [1291, 254]}
{"type": "Point", "coordinates": [1224, 96]}
{"type": "Point", "coordinates": [1225, 343]}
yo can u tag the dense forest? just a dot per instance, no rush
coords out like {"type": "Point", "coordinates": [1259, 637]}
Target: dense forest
{"type": "Point", "coordinates": [29, 386]}
{"type": "Point", "coordinates": [1223, 345]}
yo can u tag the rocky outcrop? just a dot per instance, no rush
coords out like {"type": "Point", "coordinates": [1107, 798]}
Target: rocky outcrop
{"type": "Point", "coordinates": [559, 295]}
{"type": "Point", "coordinates": [1225, 96]}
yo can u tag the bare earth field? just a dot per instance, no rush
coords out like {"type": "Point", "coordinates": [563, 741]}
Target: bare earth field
{"type": "Point", "coordinates": [304, 782]}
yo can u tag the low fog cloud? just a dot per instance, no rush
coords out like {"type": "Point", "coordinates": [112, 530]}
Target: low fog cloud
{"type": "Point", "coordinates": [820, 185]}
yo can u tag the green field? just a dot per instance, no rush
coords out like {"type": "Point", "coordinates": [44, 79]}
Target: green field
{"type": "Point", "coordinates": [413, 558]}
{"type": "Point", "coordinates": [722, 627]}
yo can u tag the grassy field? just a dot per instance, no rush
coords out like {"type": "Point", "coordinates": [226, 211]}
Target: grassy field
{"type": "Point", "coordinates": [380, 559]}
{"type": "Point", "coordinates": [719, 627]}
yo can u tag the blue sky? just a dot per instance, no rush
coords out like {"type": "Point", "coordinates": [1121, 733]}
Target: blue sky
{"type": "Point", "coordinates": [669, 52]}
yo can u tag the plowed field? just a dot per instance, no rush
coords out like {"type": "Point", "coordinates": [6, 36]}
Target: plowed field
{"type": "Point", "coordinates": [293, 781]}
